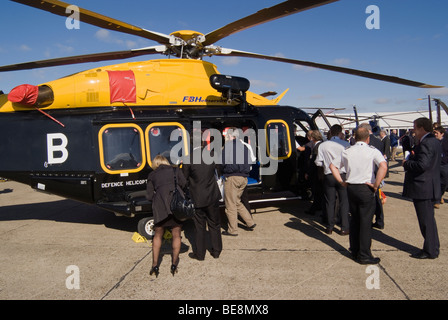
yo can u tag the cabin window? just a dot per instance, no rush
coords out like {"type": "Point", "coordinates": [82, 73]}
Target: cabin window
{"type": "Point", "coordinates": [283, 146]}
{"type": "Point", "coordinates": [121, 148]}
{"type": "Point", "coordinates": [168, 139]}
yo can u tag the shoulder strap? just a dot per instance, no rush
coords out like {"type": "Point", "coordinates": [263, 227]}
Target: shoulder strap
{"type": "Point", "coordinates": [175, 178]}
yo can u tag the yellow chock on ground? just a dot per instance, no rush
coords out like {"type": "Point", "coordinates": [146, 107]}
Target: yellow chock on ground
{"type": "Point", "coordinates": [167, 235]}
{"type": "Point", "coordinates": [137, 238]}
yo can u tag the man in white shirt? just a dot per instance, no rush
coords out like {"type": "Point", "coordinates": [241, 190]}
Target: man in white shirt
{"type": "Point", "coordinates": [330, 151]}
{"type": "Point", "coordinates": [359, 162]}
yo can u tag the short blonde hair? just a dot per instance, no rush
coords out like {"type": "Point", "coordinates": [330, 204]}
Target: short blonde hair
{"type": "Point", "coordinates": [316, 135]}
{"type": "Point", "coordinates": [158, 160]}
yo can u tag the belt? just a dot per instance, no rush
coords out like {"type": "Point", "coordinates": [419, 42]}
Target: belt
{"type": "Point", "coordinates": [330, 174]}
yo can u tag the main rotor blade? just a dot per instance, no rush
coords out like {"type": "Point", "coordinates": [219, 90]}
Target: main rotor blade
{"type": "Point", "coordinates": [339, 117]}
{"type": "Point", "coordinates": [93, 57]}
{"type": "Point", "coordinates": [265, 15]}
{"type": "Point", "coordinates": [364, 74]}
{"type": "Point", "coordinates": [93, 18]}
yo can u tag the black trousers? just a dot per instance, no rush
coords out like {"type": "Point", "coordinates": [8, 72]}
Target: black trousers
{"type": "Point", "coordinates": [362, 207]}
{"type": "Point", "coordinates": [428, 226]}
{"type": "Point", "coordinates": [379, 213]}
{"type": "Point", "coordinates": [444, 177]}
{"type": "Point", "coordinates": [210, 216]}
{"type": "Point", "coordinates": [331, 188]}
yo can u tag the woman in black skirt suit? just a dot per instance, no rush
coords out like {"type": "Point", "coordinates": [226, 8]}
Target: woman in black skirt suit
{"type": "Point", "coordinates": [159, 189]}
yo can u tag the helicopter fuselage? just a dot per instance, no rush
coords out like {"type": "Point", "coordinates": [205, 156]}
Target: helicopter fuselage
{"type": "Point", "coordinates": [103, 156]}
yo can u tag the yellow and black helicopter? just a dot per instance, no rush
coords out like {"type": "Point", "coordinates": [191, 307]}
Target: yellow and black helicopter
{"type": "Point", "coordinates": [92, 136]}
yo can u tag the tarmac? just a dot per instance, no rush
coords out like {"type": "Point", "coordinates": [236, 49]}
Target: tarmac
{"type": "Point", "coordinates": [58, 249]}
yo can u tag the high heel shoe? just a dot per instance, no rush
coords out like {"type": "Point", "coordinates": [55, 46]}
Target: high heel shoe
{"type": "Point", "coordinates": [173, 269]}
{"type": "Point", "coordinates": [154, 270]}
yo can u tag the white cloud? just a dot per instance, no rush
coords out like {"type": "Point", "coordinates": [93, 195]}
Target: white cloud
{"type": "Point", "coordinates": [231, 61]}
{"type": "Point", "coordinates": [438, 92]}
{"type": "Point", "coordinates": [303, 68]}
{"type": "Point", "coordinates": [39, 74]}
{"type": "Point", "coordinates": [382, 101]}
{"type": "Point", "coordinates": [64, 48]}
{"type": "Point", "coordinates": [24, 47]}
{"type": "Point", "coordinates": [341, 62]}
{"type": "Point", "coordinates": [317, 97]}
{"type": "Point", "coordinates": [131, 44]}
{"type": "Point", "coordinates": [263, 83]}
{"type": "Point", "coordinates": [105, 36]}
{"type": "Point", "coordinates": [279, 55]}
{"type": "Point", "coordinates": [47, 53]}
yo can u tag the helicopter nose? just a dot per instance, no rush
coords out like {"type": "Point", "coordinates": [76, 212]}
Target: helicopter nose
{"type": "Point", "coordinates": [29, 95]}
{"type": "Point", "coordinates": [24, 94]}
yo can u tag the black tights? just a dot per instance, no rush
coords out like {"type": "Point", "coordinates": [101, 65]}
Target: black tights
{"type": "Point", "coordinates": [157, 244]}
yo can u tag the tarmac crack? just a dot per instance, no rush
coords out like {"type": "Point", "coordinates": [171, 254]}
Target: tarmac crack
{"type": "Point", "coordinates": [329, 267]}
{"type": "Point", "coordinates": [284, 250]}
{"type": "Point", "coordinates": [125, 275]}
{"type": "Point", "coordinates": [393, 281]}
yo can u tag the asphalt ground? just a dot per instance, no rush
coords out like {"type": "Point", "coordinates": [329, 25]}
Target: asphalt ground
{"type": "Point", "coordinates": [58, 249]}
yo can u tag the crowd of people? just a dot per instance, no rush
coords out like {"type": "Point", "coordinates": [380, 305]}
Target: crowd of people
{"type": "Point", "coordinates": [353, 172]}
{"type": "Point", "coordinates": [200, 179]}
{"type": "Point", "coordinates": [345, 173]}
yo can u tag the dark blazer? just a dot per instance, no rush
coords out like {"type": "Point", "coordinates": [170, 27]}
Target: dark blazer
{"type": "Point", "coordinates": [386, 147]}
{"type": "Point", "coordinates": [202, 184]}
{"type": "Point", "coordinates": [444, 146]}
{"type": "Point", "coordinates": [377, 143]}
{"type": "Point", "coordinates": [235, 159]}
{"type": "Point", "coordinates": [159, 190]}
{"type": "Point", "coordinates": [422, 177]}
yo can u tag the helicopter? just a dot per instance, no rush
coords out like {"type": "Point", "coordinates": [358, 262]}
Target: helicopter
{"type": "Point", "coordinates": [91, 136]}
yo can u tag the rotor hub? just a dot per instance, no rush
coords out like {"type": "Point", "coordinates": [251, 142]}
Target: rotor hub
{"type": "Point", "coordinates": [188, 35]}
{"type": "Point", "coordinates": [186, 44]}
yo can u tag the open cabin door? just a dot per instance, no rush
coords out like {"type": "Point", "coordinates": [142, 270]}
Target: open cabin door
{"type": "Point", "coordinates": [321, 122]}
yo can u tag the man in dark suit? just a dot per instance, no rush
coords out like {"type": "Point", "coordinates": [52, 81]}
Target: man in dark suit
{"type": "Point", "coordinates": [422, 185]}
{"type": "Point", "coordinates": [442, 136]}
{"type": "Point", "coordinates": [205, 194]}
{"type": "Point", "coordinates": [386, 148]}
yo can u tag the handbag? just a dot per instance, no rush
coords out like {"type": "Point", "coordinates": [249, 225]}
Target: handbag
{"type": "Point", "coordinates": [181, 207]}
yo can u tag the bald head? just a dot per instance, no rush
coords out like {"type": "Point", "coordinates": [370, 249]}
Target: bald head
{"type": "Point", "coordinates": [362, 134]}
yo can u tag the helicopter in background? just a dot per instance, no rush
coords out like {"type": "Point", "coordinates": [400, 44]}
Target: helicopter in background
{"type": "Point", "coordinates": [91, 136]}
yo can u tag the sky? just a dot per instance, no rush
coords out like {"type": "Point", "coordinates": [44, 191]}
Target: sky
{"type": "Point", "coordinates": [411, 42]}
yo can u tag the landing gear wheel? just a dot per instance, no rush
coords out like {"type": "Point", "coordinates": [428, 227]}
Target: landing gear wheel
{"type": "Point", "coordinates": [145, 227]}
{"type": "Point", "coordinates": [308, 194]}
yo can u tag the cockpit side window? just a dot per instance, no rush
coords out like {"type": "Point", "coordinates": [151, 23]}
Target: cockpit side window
{"type": "Point", "coordinates": [282, 147]}
{"type": "Point", "coordinates": [121, 148]}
